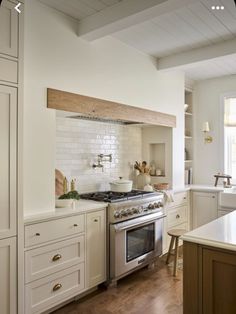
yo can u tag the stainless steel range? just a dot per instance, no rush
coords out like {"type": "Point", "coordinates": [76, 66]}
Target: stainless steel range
{"type": "Point", "coordinates": [135, 225]}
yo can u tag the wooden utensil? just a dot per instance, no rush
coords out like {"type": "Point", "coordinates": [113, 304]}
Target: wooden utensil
{"type": "Point", "coordinates": [59, 178]}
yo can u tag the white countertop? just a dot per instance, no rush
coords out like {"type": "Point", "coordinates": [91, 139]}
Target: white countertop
{"type": "Point", "coordinates": [200, 188]}
{"type": "Point", "coordinates": [206, 188]}
{"type": "Point", "coordinates": [81, 206]}
{"type": "Point", "coordinates": [86, 205]}
{"type": "Point", "coordinates": [218, 233]}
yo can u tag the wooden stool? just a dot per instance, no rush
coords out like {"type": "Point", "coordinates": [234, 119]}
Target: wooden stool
{"type": "Point", "coordinates": [175, 234]}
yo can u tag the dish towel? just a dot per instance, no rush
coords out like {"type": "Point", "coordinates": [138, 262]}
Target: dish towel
{"type": "Point", "coordinates": [168, 195]}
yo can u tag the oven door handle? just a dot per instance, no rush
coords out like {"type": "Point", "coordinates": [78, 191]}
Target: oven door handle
{"type": "Point", "coordinates": [127, 225]}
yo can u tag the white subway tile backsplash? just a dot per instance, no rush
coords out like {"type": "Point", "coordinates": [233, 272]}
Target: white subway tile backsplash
{"type": "Point", "coordinates": [78, 142]}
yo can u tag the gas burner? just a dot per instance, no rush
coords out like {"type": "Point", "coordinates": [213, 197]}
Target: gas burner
{"type": "Point", "coordinates": [112, 197]}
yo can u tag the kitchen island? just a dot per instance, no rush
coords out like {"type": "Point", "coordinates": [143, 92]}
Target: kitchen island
{"type": "Point", "coordinates": [209, 284]}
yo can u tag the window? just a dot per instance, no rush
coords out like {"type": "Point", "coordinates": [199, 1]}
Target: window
{"type": "Point", "coordinates": [230, 137]}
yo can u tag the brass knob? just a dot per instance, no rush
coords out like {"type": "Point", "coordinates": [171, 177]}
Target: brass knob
{"type": "Point", "coordinates": [56, 257]}
{"type": "Point", "coordinates": [37, 234]}
{"type": "Point", "coordinates": [95, 220]}
{"type": "Point", "coordinates": [57, 287]}
{"type": "Point", "coordinates": [75, 225]}
{"type": "Point", "coordinates": [178, 216]}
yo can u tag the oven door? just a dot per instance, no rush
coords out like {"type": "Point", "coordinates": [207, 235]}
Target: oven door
{"type": "Point", "coordinates": [134, 243]}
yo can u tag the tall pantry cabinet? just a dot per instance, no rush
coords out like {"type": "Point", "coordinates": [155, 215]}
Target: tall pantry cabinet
{"type": "Point", "coordinates": [10, 111]}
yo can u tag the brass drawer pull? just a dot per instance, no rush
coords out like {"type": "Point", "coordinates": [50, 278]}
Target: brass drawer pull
{"type": "Point", "coordinates": [75, 225]}
{"type": "Point", "coordinates": [95, 220]}
{"type": "Point", "coordinates": [57, 287]}
{"type": "Point", "coordinates": [37, 234]}
{"type": "Point", "coordinates": [177, 216]}
{"type": "Point", "coordinates": [56, 257]}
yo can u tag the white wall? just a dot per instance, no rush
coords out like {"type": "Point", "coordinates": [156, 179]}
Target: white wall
{"type": "Point", "coordinates": [78, 143]}
{"type": "Point", "coordinates": [55, 57]}
{"type": "Point", "coordinates": [206, 99]}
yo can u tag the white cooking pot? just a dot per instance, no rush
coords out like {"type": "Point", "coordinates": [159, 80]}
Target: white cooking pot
{"type": "Point", "coordinates": [121, 185]}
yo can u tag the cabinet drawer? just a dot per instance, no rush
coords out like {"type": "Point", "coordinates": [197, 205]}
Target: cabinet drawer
{"type": "Point", "coordinates": [51, 230]}
{"type": "Point", "coordinates": [8, 70]}
{"type": "Point", "coordinates": [177, 216]}
{"type": "Point", "coordinates": [50, 291]}
{"type": "Point", "coordinates": [179, 199]}
{"type": "Point", "coordinates": [51, 258]}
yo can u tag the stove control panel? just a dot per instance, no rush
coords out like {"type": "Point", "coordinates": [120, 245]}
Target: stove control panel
{"type": "Point", "coordinates": [125, 213]}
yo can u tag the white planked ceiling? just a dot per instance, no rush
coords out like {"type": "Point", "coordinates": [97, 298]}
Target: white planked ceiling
{"type": "Point", "coordinates": [193, 26]}
{"type": "Point", "coordinates": [212, 68]}
{"type": "Point", "coordinates": [79, 9]}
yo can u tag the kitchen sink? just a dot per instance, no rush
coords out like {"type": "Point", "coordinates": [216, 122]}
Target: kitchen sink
{"type": "Point", "coordinates": [228, 198]}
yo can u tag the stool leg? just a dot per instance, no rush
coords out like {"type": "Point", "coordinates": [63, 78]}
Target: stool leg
{"type": "Point", "coordinates": [170, 248]}
{"type": "Point", "coordinates": [176, 255]}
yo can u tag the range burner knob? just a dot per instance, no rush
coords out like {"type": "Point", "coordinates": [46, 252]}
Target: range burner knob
{"type": "Point", "coordinates": [160, 204]}
{"type": "Point", "coordinates": [129, 211]}
{"type": "Point", "coordinates": [124, 213]}
{"type": "Point", "coordinates": [117, 214]}
{"type": "Point", "coordinates": [151, 206]}
{"type": "Point", "coordinates": [136, 210]}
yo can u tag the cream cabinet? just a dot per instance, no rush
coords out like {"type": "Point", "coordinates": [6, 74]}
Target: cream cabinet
{"type": "Point", "coordinates": [54, 262]}
{"type": "Point", "coordinates": [178, 216]}
{"type": "Point", "coordinates": [8, 29]}
{"type": "Point", "coordinates": [96, 248]}
{"type": "Point", "coordinates": [64, 257]}
{"type": "Point", "coordinates": [54, 229]}
{"type": "Point", "coordinates": [52, 290]}
{"type": "Point", "coordinates": [204, 208]}
{"type": "Point", "coordinates": [8, 279]}
{"type": "Point", "coordinates": [8, 159]}
{"type": "Point", "coordinates": [8, 71]}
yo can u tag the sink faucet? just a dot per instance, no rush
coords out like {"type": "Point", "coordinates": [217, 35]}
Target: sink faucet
{"type": "Point", "coordinates": [99, 164]}
{"type": "Point", "coordinates": [102, 157]}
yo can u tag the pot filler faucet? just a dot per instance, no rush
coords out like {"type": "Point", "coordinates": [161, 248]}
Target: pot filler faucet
{"type": "Point", "coordinates": [102, 158]}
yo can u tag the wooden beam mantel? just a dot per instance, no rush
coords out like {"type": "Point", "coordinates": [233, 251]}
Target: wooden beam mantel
{"type": "Point", "coordinates": [106, 110]}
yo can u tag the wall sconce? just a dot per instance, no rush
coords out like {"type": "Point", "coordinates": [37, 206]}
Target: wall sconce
{"type": "Point", "coordinates": [205, 130]}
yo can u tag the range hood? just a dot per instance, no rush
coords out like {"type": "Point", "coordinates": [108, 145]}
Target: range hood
{"type": "Point", "coordinates": [90, 108]}
{"type": "Point", "coordinates": [96, 119]}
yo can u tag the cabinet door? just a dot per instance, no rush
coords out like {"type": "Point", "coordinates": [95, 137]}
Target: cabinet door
{"type": "Point", "coordinates": [8, 29]}
{"type": "Point", "coordinates": [204, 208]}
{"type": "Point", "coordinates": [219, 277]}
{"type": "Point", "coordinates": [8, 122]}
{"type": "Point", "coordinates": [96, 248]}
{"type": "Point", "coordinates": [8, 299]}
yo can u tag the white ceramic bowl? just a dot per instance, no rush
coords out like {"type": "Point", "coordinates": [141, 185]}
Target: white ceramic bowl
{"type": "Point", "coordinates": [64, 203]}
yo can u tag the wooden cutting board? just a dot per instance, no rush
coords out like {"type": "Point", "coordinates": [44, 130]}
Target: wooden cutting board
{"type": "Point", "coordinates": [59, 178]}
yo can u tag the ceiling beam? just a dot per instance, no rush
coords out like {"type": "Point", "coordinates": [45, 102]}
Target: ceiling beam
{"type": "Point", "coordinates": [198, 55]}
{"type": "Point", "coordinates": [125, 14]}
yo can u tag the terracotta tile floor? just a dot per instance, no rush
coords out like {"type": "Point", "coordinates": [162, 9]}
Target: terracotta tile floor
{"type": "Point", "coordinates": [147, 291]}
